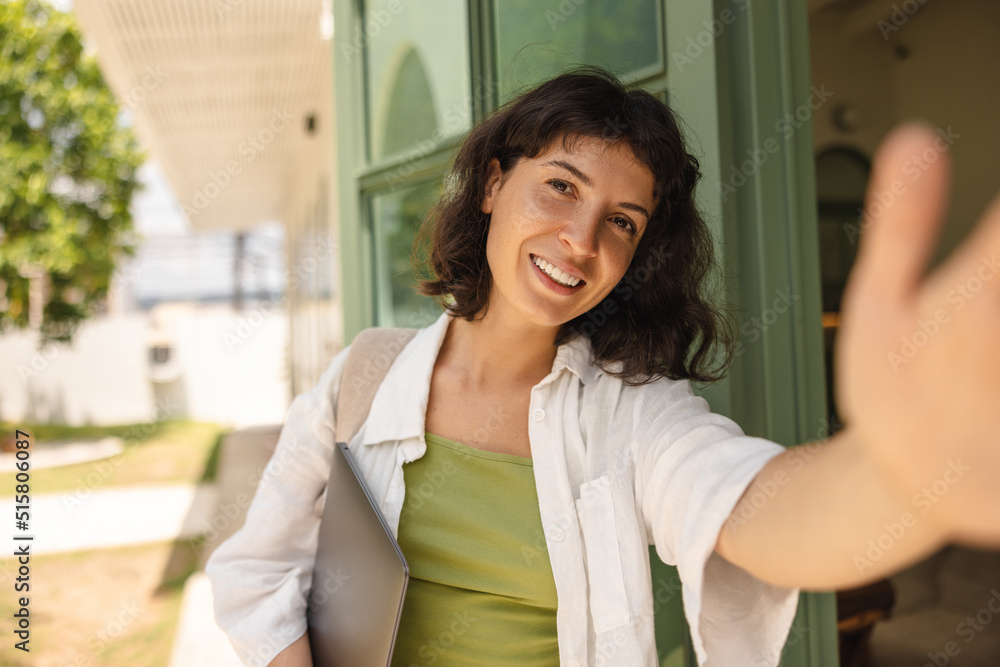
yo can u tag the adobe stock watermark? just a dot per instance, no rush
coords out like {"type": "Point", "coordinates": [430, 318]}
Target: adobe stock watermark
{"type": "Point", "coordinates": [100, 639]}
{"type": "Point", "coordinates": [786, 126]}
{"type": "Point", "coordinates": [607, 648]}
{"type": "Point", "coordinates": [41, 357]}
{"type": "Point", "coordinates": [425, 312]}
{"type": "Point", "coordinates": [325, 586]}
{"type": "Point", "coordinates": [613, 128]}
{"type": "Point", "coordinates": [900, 15]}
{"type": "Point", "coordinates": [913, 168]}
{"type": "Point", "coordinates": [764, 490]}
{"type": "Point", "coordinates": [774, 654]}
{"type": "Point", "coordinates": [303, 269]}
{"type": "Point", "coordinates": [631, 282]}
{"type": "Point", "coordinates": [115, 628]}
{"type": "Point", "coordinates": [227, 515]}
{"type": "Point", "coordinates": [456, 116]}
{"type": "Point", "coordinates": [223, 7]}
{"type": "Point", "coordinates": [556, 527]}
{"type": "Point", "coordinates": [39, 361]}
{"type": "Point", "coordinates": [264, 654]}
{"type": "Point", "coordinates": [432, 650]}
{"type": "Point", "coordinates": [754, 328]}
{"type": "Point", "coordinates": [125, 275]}
{"type": "Point", "coordinates": [249, 149]}
{"type": "Point", "coordinates": [150, 81]}
{"type": "Point", "coordinates": [959, 296]}
{"type": "Point", "coordinates": [968, 629]}
{"type": "Point", "coordinates": [696, 45]}
{"type": "Point", "coordinates": [566, 9]}
{"type": "Point", "coordinates": [665, 591]}
{"type": "Point", "coordinates": [246, 326]}
{"type": "Point", "coordinates": [101, 471]}
{"type": "Point", "coordinates": [375, 23]}
{"type": "Point", "coordinates": [924, 500]}
{"type": "Point", "coordinates": [233, 511]}
{"type": "Point", "coordinates": [421, 490]}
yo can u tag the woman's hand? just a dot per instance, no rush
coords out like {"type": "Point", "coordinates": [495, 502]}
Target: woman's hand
{"type": "Point", "coordinates": [918, 357]}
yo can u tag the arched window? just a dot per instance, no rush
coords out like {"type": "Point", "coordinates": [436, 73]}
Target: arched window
{"type": "Point", "coordinates": [410, 116]}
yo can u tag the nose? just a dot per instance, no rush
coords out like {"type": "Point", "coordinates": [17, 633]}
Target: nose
{"type": "Point", "coordinates": [580, 235]}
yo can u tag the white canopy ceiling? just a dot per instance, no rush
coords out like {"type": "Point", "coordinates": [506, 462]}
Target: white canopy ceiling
{"type": "Point", "coordinates": [221, 92]}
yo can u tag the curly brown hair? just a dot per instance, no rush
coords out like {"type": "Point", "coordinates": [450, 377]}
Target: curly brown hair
{"type": "Point", "coordinates": [657, 322]}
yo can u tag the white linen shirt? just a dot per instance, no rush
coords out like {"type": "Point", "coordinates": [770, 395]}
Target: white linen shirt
{"type": "Point", "coordinates": [617, 468]}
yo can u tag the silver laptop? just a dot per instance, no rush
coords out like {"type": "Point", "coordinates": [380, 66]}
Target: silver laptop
{"type": "Point", "coordinates": [360, 576]}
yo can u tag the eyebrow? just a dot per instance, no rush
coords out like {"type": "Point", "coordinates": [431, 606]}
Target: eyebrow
{"type": "Point", "coordinates": [586, 180]}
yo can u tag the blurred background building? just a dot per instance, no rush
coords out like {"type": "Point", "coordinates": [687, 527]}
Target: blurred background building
{"type": "Point", "coordinates": [302, 142]}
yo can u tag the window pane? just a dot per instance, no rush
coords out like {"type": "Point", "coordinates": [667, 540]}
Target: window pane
{"type": "Point", "coordinates": [622, 35]}
{"type": "Point", "coordinates": [396, 216]}
{"type": "Point", "coordinates": [841, 180]}
{"type": "Point", "coordinates": [416, 73]}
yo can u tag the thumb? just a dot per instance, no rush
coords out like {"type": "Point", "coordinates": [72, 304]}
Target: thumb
{"type": "Point", "coordinates": [904, 207]}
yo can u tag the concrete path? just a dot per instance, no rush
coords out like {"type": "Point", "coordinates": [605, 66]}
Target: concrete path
{"type": "Point", "coordinates": [199, 642]}
{"type": "Point", "coordinates": [52, 454]}
{"type": "Point", "coordinates": [120, 516]}
{"type": "Point", "coordinates": [117, 516]}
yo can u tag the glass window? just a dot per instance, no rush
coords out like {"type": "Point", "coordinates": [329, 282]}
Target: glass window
{"type": "Point", "coordinates": [841, 180]}
{"type": "Point", "coordinates": [537, 38]}
{"type": "Point", "coordinates": [416, 74]}
{"type": "Point", "coordinates": [396, 216]}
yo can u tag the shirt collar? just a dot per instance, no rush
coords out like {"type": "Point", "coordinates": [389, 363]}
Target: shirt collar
{"type": "Point", "coordinates": [401, 417]}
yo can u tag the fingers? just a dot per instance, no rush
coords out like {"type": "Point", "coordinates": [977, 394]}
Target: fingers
{"type": "Point", "coordinates": [904, 207]}
{"type": "Point", "coordinates": [977, 259]}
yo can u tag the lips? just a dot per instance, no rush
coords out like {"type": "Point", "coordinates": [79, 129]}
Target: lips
{"type": "Point", "coordinates": [559, 273]}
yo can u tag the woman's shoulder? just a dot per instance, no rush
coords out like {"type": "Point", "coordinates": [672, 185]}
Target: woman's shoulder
{"type": "Point", "coordinates": [610, 374]}
{"type": "Point", "coordinates": [605, 389]}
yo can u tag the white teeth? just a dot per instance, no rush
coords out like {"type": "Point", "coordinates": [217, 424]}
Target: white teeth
{"type": "Point", "coordinates": [556, 273]}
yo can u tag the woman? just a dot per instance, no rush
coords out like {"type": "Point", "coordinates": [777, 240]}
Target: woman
{"type": "Point", "coordinates": [552, 399]}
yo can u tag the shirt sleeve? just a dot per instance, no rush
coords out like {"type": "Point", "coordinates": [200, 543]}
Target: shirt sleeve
{"type": "Point", "coordinates": [262, 574]}
{"type": "Point", "coordinates": [692, 468]}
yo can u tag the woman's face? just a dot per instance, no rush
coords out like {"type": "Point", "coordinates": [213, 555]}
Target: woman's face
{"type": "Point", "coordinates": [582, 212]}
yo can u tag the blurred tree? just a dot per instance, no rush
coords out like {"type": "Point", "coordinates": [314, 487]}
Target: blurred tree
{"type": "Point", "coordinates": [67, 174]}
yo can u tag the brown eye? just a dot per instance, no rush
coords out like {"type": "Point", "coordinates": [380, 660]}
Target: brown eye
{"type": "Point", "coordinates": [628, 226]}
{"type": "Point", "coordinates": [556, 183]}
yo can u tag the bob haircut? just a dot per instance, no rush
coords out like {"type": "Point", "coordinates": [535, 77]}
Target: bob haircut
{"type": "Point", "coordinates": [657, 321]}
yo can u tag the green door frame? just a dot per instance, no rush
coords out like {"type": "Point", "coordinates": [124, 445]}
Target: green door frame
{"type": "Point", "coordinates": [746, 70]}
{"type": "Point", "coordinates": [769, 244]}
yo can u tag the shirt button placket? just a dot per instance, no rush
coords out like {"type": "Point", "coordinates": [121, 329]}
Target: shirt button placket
{"type": "Point", "coordinates": [554, 529]}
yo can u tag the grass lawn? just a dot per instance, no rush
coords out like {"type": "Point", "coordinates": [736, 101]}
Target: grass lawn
{"type": "Point", "coordinates": [159, 452]}
{"type": "Point", "coordinates": [104, 608]}
{"type": "Point", "coordinates": [109, 607]}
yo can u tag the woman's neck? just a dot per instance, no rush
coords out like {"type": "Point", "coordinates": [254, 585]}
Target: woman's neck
{"type": "Point", "coordinates": [491, 354]}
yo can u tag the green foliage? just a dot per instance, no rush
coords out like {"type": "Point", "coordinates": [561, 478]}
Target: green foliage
{"type": "Point", "coordinates": [67, 171]}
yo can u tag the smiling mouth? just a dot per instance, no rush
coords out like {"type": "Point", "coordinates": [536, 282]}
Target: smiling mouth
{"type": "Point", "coordinates": [557, 275]}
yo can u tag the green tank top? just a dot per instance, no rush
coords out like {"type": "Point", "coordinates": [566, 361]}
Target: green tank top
{"type": "Point", "coordinates": [481, 589]}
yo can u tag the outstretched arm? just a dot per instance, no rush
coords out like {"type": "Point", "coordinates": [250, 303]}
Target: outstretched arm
{"type": "Point", "coordinates": [825, 517]}
{"type": "Point", "coordinates": [296, 655]}
{"type": "Point", "coordinates": [918, 382]}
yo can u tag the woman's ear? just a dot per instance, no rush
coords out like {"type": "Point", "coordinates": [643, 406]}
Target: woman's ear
{"type": "Point", "coordinates": [492, 185]}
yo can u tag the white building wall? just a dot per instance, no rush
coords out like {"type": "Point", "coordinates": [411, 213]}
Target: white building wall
{"type": "Point", "coordinates": [100, 378]}
{"type": "Point", "coordinates": [232, 369]}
